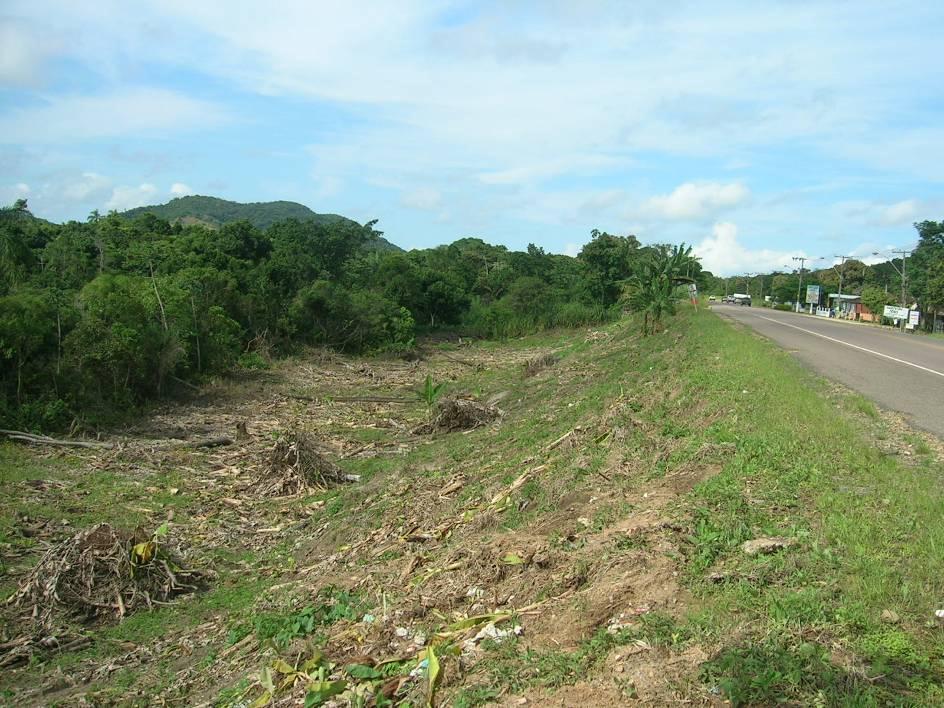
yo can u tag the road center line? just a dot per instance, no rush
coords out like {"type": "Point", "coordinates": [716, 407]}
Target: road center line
{"type": "Point", "coordinates": [854, 346]}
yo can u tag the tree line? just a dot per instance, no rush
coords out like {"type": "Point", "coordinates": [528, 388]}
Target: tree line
{"type": "Point", "coordinates": [99, 317]}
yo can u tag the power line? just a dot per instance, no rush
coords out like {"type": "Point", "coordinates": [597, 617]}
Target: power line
{"type": "Point", "coordinates": [842, 268]}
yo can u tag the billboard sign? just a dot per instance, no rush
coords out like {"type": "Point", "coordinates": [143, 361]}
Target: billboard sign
{"type": "Point", "coordinates": [812, 294]}
{"type": "Point", "coordinates": [893, 312]}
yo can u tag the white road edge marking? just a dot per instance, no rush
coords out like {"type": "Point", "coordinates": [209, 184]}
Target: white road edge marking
{"type": "Point", "coordinates": [854, 346]}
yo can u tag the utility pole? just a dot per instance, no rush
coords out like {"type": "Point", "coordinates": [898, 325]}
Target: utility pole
{"type": "Point", "coordinates": [903, 273]}
{"type": "Point", "coordinates": [842, 269]}
{"type": "Point", "coordinates": [802, 260]}
{"type": "Point", "coordinates": [747, 283]}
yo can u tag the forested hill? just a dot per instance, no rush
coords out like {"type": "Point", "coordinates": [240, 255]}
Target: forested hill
{"type": "Point", "coordinates": [214, 212]}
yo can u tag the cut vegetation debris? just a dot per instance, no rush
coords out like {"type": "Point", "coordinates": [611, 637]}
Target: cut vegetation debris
{"type": "Point", "coordinates": [296, 466]}
{"type": "Point", "coordinates": [454, 414]}
{"type": "Point", "coordinates": [103, 572]}
{"type": "Point", "coordinates": [587, 551]}
{"type": "Point", "coordinates": [533, 367]}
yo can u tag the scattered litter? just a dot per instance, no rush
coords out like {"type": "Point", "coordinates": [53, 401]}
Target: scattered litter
{"type": "Point", "coordinates": [491, 632]}
{"type": "Point", "coordinates": [625, 620]}
{"type": "Point", "coordinates": [766, 545]}
{"type": "Point", "coordinates": [420, 669]}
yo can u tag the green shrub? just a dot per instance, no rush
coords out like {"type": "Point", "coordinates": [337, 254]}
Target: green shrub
{"type": "Point", "coordinates": [252, 361]}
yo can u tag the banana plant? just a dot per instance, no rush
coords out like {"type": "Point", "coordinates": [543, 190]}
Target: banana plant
{"type": "Point", "coordinates": [431, 392]}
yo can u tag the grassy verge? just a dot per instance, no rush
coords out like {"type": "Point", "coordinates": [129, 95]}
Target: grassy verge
{"type": "Point", "coordinates": [844, 615]}
{"type": "Point", "coordinates": [868, 533]}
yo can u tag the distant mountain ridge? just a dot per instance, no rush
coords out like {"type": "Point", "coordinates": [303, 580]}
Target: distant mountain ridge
{"type": "Point", "coordinates": [214, 212]}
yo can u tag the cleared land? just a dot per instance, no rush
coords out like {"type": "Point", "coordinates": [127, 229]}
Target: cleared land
{"type": "Point", "coordinates": [585, 546]}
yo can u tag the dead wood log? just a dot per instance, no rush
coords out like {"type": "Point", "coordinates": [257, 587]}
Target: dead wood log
{"type": "Point", "coordinates": [465, 362]}
{"type": "Point", "coordinates": [186, 383]}
{"type": "Point", "coordinates": [32, 439]}
{"type": "Point", "coordinates": [210, 442]}
{"type": "Point", "coordinates": [370, 399]}
{"type": "Point", "coordinates": [352, 399]}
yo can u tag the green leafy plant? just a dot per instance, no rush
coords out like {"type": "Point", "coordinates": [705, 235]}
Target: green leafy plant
{"type": "Point", "coordinates": [336, 604]}
{"type": "Point", "coordinates": [431, 392]}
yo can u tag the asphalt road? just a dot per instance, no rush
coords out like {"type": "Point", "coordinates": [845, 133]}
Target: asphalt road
{"type": "Point", "coordinates": [901, 372]}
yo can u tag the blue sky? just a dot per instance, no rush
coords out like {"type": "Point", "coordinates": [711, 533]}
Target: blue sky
{"type": "Point", "coordinates": [756, 131]}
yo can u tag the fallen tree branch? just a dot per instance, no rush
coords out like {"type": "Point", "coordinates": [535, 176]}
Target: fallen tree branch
{"type": "Point", "coordinates": [210, 442]}
{"type": "Point", "coordinates": [370, 399]}
{"type": "Point", "coordinates": [465, 362]}
{"type": "Point", "coordinates": [186, 383]}
{"type": "Point", "coordinates": [351, 399]}
{"type": "Point", "coordinates": [32, 439]}
{"type": "Point", "coordinates": [358, 451]}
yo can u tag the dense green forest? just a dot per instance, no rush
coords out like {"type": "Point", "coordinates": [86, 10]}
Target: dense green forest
{"type": "Point", "coordinates": [99, 317]}
{"type": "Point", "coordinates": [879, 284]}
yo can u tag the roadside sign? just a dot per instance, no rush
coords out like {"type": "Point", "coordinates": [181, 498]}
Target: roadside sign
{"type": "Point", "coordinates": [812, 294]}
{"type": "Point", "coordinates": [913, 318]}
{"type": "Point", "coordinates": [893, 312]}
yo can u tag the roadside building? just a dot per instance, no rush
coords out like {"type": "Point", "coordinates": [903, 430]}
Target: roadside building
{"type": "Point", "coordinates": [849, 307]}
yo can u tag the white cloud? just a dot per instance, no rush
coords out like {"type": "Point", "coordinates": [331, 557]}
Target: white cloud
{"type": "Point", "coordinates": [872, 252]}
{"type": "Point", "coordinates": [496, 91]}
{"type": "Point", "coordinates": [139, 112]}
{"type": "Point", "coordinates": [10, 194]}
{"type": "Point", "coordinates": [423, 198]}
{"type": "Point", "coordinates": [723, 254]}
{"type": "Point", "coordinates": [89, 186]}
{"type": "Point", "coordinates": [124, 197]}
{"type": "Point", "coordinates": [22, 53]}
{"type": "Point", "coordinates": [572, 249]}
{"type": "Point", "coordinates": [899, 213]}
{"type": "Point", "coordinates": [697, 200]}
{"type": "Point", "coordinates": [894, 214]}
{"type": "Point", "coordinates": [179, 189]}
